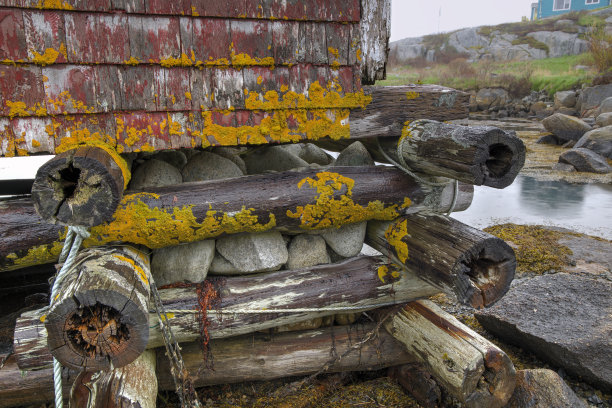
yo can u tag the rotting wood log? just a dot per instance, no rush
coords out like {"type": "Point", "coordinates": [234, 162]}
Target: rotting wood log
{"type": "Point", "coordinates": [470, 264]}
{"type": "Point", "coordinates": [293, 201]}
{"type": "Point", "coordinates": [99, 318]}
{"type": "Point", "coordinates": [479, 155]}
{"type": "Point", "coordinates": [134, 385]}
{"type": "Point", "coordinates": [246, 358]}
{"type": "Point", "coordinates": [81, 186]}
{"type": "Point", "coordinates": [364, 282]}
{"type": "Point", "coordinates": [468, 366]}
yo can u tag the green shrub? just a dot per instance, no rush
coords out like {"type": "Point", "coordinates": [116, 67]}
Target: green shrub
{"type": "Point", "coordinates": [600, 45]}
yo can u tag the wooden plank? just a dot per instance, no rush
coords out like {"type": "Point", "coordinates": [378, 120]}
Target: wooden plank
{"type": "Point", "coordinates": [142, 131]}
{"type": "Point", "coordinates": [174, 7]}
{"type": "Point", "coordinates": [21, 91]}
{"type": "Point", "coordinates": [375, 27]}
{"type": "Point", "coordinates": [215, 8]}
{"type": "Point", "coordinates": [252, 39]}
{"type": "Point", "coordinates": [211, 41]}
{"type": "Point", "coordinates": [200, 88]}
{"type": "Point", "coordinates": [97, 38]}
{"type": "Point", "coordinates": [33, 135]}
{"type": "Point", "coordinates": [45, 37]}
{"type": "Point", "coordinates": [70, 89]}
{"type": "Point", "coordinates": [7, 139]}
{"type": "Point", "coordinates": [137, 86]}
{"type": "Point", "coordinates": [70, 130]}
{"type": "Point", "coordinates": [154, 39]}
{"type": "Point", "coordinates": [174, 90]}
{"type": "Point", "coordinates": [129, 6]}
{"type": "Point", "coordinates": [228, 88]}
{"type": "Point", "coordinates": [338, 39]}
{"type": "Point", "coordinates": [12, 35]}
{"type": "Point", "coordinates": [285, 40]}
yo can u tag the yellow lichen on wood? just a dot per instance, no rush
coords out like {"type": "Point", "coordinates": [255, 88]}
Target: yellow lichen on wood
{"type": "Point", "coordinates": [39, 254]}
{"type": "Point", "coordinates": [20, 108]}
{"type": "Point", "coordinates": [132, 61]}
{"type": "Point", "coordinates": [394, 235]}
{"type": "Point", "coordinates": [334, 205]}
{"type": "Point", "coordinates": [384, 271]}
{"type": "Point", "coordinates": [47, 58]}
{"type": "Point", "coordinates": [155, 227]}
{"type": "Point", "coordinates": [54, 4]}
{"type": "Point", "coordinates": [141, 273]}
{"type": "Point", "coordinates": [412, 95]}
{"type": "Point", "coordinates": [405, 131]}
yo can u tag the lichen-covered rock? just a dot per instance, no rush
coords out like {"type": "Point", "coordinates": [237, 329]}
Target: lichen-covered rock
{"type": "Point", "coordinates": [492, 98]}
{"type": "Point", "coordinates": [209, 166]}
{"type": "Point", "coordinates": [604, 119]}
{"type": "Point", "coordinates": [562, 318]}
{"type": "Point", "coordinates": [182, 263]}
{"type": "Point", "coordinates": [566, 127]}
{"type": "Point", "coordinates": [598, 140]}
{"type": "Point", "coordinates": [307, 250]}
{"type": "Point", "coordinates": [347, 240]}
{"type": "Point", "coordinates": [173, 157]}
{"type": "Point", "coordinates": [560, 43]}
{"type": "Point", "coordinates": [585, 160]}
{"type": "Point", "coordinates": [355, 154]}
{"type": "Point", "coordinates": [154, 173]}
{"type": "Point", "coordinates": [543, 388]}
{"type": "Point", "coordinates": [250, 253]}
{"type": "Point", "coordinates": [592, 97]}
{"type": "Point", "coordinates": [565, 99]}
{"type": "Point", "coordinates": [272, 158]}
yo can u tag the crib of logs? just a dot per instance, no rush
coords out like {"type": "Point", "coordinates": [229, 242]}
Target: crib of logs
{"type": "Point", "coordinates": [234, 158]}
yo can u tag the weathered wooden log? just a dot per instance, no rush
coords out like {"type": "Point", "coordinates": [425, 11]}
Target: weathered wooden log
{"type": "Point", "coordinates": [16, 186]}
{"type": "Point", "coordinates": [479, 155]}
{"type": "Point", "coordinates": [81, 186]}
{"type": "Point", "coordinates": [134, 385]}
{"type": "Point", "coordinates": [468, 366]}
{"type": "Point", "coordinates": [293, 201]}
{"type": "Point", "coordinates": [474, 266]}
{"type": "Point", "coordinates": [375, 29]}
{"type": "Point", "coordinates": [247, 358]}
{"type": "Point", "coordinates": [98, 319]}
{"type": "Point", "coordinates": [235, 303]}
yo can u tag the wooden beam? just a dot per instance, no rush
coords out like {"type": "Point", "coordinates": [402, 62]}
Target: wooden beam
{"type": "Point", "coordinates": [362, 282]}
{"type": "Point", "coordinates": [375, 28]}
{"type": "Point", "coordinates": [293, 201]}
{"type": "Point", "coordinates": [99, 318]}
{"type": "Point", "coordinates": [468, 366]}
{"type": "Point", "coordinates": [81, 186]}
{"type": "Point", "coordinates": [472, 265]}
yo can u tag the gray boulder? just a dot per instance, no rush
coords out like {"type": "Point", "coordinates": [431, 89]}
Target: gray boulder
{"type": "Point", "coordinates": [307, 250]}
{"type": "Point", "coordinates": [407, 49]}
{"type": "Point", "coordinates": [565, 127]}
{"type": "Point", "coordinates": [231, 154]}
{"type": "Point", "coordinates": [250, 253]}
{"type": "Point", "coordinates": [560, 43]}
{"type": "Point", "coordinates": [155, 173]}
{"type": "Point", "coordinates": [543, 388]}
{"type": "Point", "coordinates": [604, 119]}
{"type": "Point", "coordinates": [492, 98]}
{"type": "Point", "coordinates": [548, 139]}
{"type": "Point", "coordinates": [273, 158]}
{"type": "Point", "coordinates": [209, 166]}
{"type": "Point", "coordinates": [565, 99]}
{"type": "Point", "coordinates": [598, 140]}
{"type": "Point", "coordinates": [564, 167]}
{"type": "Point", "coordinates": [173, 157]}
{"type": "Point", "coordinates": [605, 106]}
{"type": "Point", "coordinates": [347, 240]}
{"type": "Point", "coordinates": [221, 266]}
{"type": "Point", "coordinates": [182, 263]}
{"type": "Point", "coordinates": [468, 41]}
{"type": "Point", "coordinates": [314, 154]}
{"type": "Point", "coordinates": [591, 97]}
{"type": "Point", "coordinates": [354, 155]}
{"type": "Point", "coordinates": [585, 160]}
{"type": "Point", "coordinates": [562, 318]}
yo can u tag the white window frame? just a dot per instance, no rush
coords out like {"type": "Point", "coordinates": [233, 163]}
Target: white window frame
{"type": "Point", "coordinates": [592, 2]}
{"type": "Point", "coordinates": [568, 2]}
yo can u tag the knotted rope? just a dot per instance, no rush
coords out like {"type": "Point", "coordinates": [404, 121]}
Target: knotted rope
{"type": "Point", "coordinates": [73, 241]}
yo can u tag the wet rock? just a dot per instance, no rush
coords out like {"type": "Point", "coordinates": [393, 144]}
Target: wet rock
{"type": "Point", "coordinates": [604, 119]}
{"type": "Point", "coordinates": [491, 98]}
{"type": "Point", "coordinates": [355, 154]}
{"type": "Point", "coordinates": [565, 127]}
{"type": "Point", "coordinates": [232, 154]}
{"type": "Point", "coordinates": [209, 166]}
{"type": "Point", "coordinates": [250, 253]}
{"type": "Point", "coordinates": [591, 97]}
{"type": "Point", "coordinates": [307, 250]}
{"type": "Point", "coordinates": [562, 318]}
{"type": "Point", "coordinates": [548, 139]}
{"type": "Point", "coordinates": [347, 240]}
{"type": "Point", "coordinates": [273, 158]}
{"type": "Point", "coordinates": [543, 389]}
{"type": "Point", "coordinates": [563, 167]}
{"type": "Point", "coordinates": [585, 160]}
{"type": "Point", "coordinates": [565, 99]}
{"type": "Point", "coordinates": [173, 157]}
{"type": "Point", "coordinates": [154, 173]}
{"type": "Point", "coordinates": [598, 140]}
{"type": "Point", "coordinates": [182, 263]}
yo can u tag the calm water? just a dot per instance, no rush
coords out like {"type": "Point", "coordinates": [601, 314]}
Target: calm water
{"type": "Point", "coordinates": [583, 208]}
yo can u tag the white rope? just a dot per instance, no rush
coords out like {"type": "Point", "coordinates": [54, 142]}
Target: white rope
{"type": "Point", "coordinates": [73, 241]}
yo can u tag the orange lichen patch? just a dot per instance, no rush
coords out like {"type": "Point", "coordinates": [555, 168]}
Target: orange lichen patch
{"type": "Point", "coordinates": [334, 52]}
{"type": "Point", "coordinates": [412, 95]}
{"type": "Point", "coordinates": [188, 95]}
{"type": "Point", "coordinates": [358, 53]}
{"type": "Point", "coordinates": [54, 4]}
{"type": "Point", "coordinates": [132, 61]}
{"type": "Point", "coordinates": [38, 255]}
{"type": "Point", "coordinates": [141, 273]}
{"type": "Point", "coordinates": [318, 97]}
{"type": "Point", "coordinates": [48, 57]}
{"type": "Point", "coordinates": [384, 271]}
{"type": "Point", "coordinates": [64, 98]}
{"type": "Point", "coordinates": [394, 235]}
{"type": "Point", "coordinates": [334, 205]}
{"type": "Point", "coordinates": [19, 108]}
{"type": "Point", "coordinates": [147, 224]}
{"type": "Point", "coordinates": [405, 131]}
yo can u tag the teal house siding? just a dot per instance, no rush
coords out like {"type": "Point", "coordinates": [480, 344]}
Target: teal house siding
{"type": "Point", "coordinates": [550, 8]}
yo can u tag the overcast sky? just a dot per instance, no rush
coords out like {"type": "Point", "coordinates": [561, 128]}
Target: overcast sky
{"type": "Point", "coordinates": [414, 18]}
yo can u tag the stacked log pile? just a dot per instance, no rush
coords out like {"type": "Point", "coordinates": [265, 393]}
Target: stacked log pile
{"type": "Point", "coordinates": [193, 140]}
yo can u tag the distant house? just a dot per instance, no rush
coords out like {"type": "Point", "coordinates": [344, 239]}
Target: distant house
{"type": "Point", "coordinates": [550, 8]}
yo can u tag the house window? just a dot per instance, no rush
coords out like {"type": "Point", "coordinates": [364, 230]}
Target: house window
{"type": "Point", "coordinates": [592, 1]}
{"type": "Point", "coordinates": [562, 5]}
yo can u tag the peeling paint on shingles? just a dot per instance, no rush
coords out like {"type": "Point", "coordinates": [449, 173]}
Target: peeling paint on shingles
{"type": "Point", "coordinates": [31, 135]}
{"type": "Point", "coordinates": [44, 33]}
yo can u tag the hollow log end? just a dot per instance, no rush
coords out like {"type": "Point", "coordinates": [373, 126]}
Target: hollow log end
{"type": "Point", "coordinates": [78, 187]}
{"type": "Point", "coordinates": [497, 384]}
{"type": "Point", "coordinates": [484, 273]}
{"type": "Point", "coordinates": [96, 336]}
{"type": "Point", "coordinates": [500, 157]}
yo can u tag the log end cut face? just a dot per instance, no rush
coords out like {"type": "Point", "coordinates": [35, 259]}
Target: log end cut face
{"type": "Point", "coordinates": [78, 187]}
{"type": "Point", "coordinates": [501, 158]}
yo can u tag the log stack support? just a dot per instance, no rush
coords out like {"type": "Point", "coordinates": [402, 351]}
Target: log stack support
{"type": "Point", "coordinates": [282, 74]}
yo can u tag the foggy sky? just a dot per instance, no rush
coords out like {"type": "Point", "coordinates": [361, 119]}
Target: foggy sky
{"type": "Point", "coordinates": [414, 18]}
